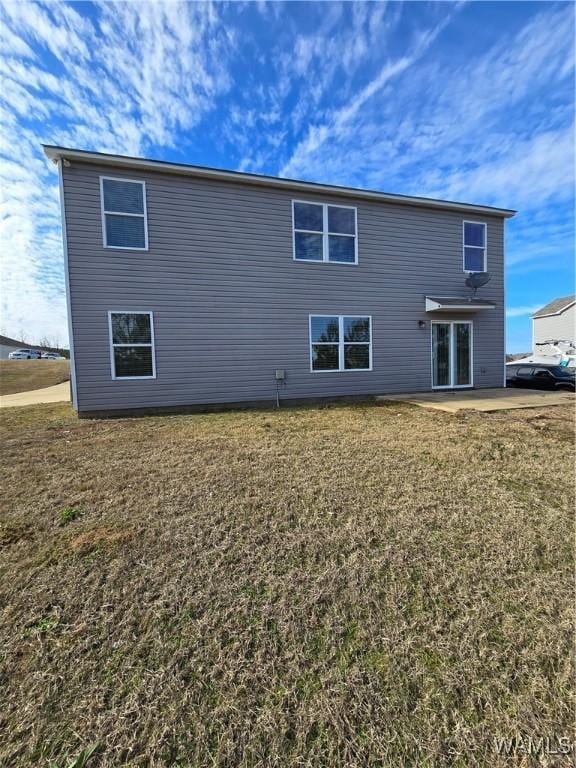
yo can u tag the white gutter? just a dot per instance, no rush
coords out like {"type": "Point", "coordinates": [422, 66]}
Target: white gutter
{"type": "Point", "coordinates": [536, 316]}
{"type": "Point", "coordinates": [120, 161]}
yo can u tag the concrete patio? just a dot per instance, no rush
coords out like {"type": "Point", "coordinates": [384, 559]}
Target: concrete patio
{"type": "Point", "coordinates": [483, 399]}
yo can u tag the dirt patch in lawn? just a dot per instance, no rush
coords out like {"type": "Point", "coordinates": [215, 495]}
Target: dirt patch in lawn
{"type": "Point", "coordinates": [343, 586]}
{"type": "Point", "coordinates": [98, 539]}
{"type": "Point", "coordinates": [26, 375]}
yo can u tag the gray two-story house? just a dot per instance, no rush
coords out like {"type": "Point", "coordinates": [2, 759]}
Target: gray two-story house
{"type": "Point", "coordinates": [190, 286]}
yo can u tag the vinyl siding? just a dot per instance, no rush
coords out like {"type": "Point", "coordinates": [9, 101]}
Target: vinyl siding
{"type": "Point", "coordinates": [562, 326]}
{"type": "Point", "coordinates": [231, 305]}
{"type": "Point", "coordinates": [5, 350]}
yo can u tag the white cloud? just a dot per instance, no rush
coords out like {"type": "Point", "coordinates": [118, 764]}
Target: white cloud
{"type": "Point", "coordinates": [535, 170]}
{"type": "Point", "coordinates": [354, 93]}
{"type": "Point", "coordinates": [134, 76]}
{"type": "Point", "coordinates": [305, 74]}
{"type": "Point", "coordinates": [480, 129]}
{"type": "Point", "coordinates": [522, 311]}
{"type": "Point", "coordinates": [340, 123]}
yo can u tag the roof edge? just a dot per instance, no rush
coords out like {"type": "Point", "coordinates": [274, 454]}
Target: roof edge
{"type": "Point", "coordinates": [563, 308]}
{"type": "Point", "coordinates": [463, 299]}
{"type": "Point", "coordinates": [123, 161]}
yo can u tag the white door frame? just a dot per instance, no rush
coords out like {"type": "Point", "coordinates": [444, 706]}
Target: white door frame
{"type": "Point", "coordinates": [452, 350]}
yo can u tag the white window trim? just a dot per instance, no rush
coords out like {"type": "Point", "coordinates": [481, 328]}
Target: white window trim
{"type": "Point", "coordinates": [152, 343]}
{"type": "Point", "coordinates": [452, 323]}
{"type": "Point", "coordinates": [325, 234]}
{"type": "Point", "coordinates": [121, 213]}
{"type": "Point", "coordinates": [340, 343]}
{"type": "Point", "coordinates": [464, 246]}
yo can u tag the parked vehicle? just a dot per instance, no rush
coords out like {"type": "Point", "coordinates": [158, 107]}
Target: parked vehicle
{"type": "Point", "coordinates": [51, 356]}
{"type": "Point", "coordinates": [541, 377]}
{"type": "Point", "coordinates": [25, 354]}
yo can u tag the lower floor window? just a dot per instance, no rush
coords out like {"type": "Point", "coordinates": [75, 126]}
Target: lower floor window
{"type": "Point", "coordinates": [132, 345]}
{"type": "Point", "coordinates": [340, 342]}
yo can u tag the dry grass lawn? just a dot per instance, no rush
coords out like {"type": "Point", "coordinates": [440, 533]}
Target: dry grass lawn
{"type": "Point", "coordinates": [351, 586]}
{"type": "Point", "coordinates": [25, 375]}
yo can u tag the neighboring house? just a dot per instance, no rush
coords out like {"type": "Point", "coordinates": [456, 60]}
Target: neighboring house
{"type": "Point", "coordinates": [191, 286]}
{"type": "Point", "coordinates": [554, 322]}
{"type": "Point", "coordinates": [8, 345]}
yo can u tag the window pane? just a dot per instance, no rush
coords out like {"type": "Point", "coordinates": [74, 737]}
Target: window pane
{"type": "Point", "coordinates": [125, 231]}
{"type": "Point", "coordinates": [324, 329]}
{"type": "Point", "coordinates": [474, 259]}
{"type": "Point", "coordinates": [131, 328]}
{"type": "Point", "coordinates": [325, 357]}
{"type": "Point", "coordinates": [462, 353]}
{"type": "Point", "coordinates": [356, 356]}
{"type": "Point", "coordinates": [342, 220]}
{"type": "Point", "coordinates": [133, 361]}
{"type": "Point", "coordinates": [474, 234]}
{"type": "Point", "coordinates": [341, 249]}
{"type": "Point", "coordinates": [308, 216]}
{"type": "Point", "coordinates": [356, 329]}
{"type": "Point", "coordinates": [123, 196]}
{"type": "Point", "coordinates": [308, 246]}
{"type": "Point", "coordinates": [441, 354]}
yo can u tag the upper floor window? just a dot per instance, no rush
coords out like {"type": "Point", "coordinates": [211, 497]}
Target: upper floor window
{"type": "Point", "coordinates": [474, 246]}
{"type": "Point", "coordinates": [340, 343]}
{"type": "Point", "coordinates": [124, 213]}
{"type": "Point", "coordinates": [132, 345]}
{"type": "Point", "coordinates": [324, 232]}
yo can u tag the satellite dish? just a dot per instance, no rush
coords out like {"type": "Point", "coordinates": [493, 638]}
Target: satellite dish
{"type": "Point", "coordinates": [477, 280]}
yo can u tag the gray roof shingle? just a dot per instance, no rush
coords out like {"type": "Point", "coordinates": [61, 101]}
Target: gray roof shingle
{"type": "Point", "coordinates": [557, 305]}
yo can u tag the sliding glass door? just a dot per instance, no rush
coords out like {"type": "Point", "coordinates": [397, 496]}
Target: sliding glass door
{"type": "Point", "coordinates": [462, 337]}
{"type": "Point", "coordinates": [441, 354]}
{"type": "Point", "coordinates": [451, 355]}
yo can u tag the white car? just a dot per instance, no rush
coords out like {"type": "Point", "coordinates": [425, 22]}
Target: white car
{"type": "Point", "coordinates": [25, 354]}
{"type": "Point", "coordinates": [51, 356]}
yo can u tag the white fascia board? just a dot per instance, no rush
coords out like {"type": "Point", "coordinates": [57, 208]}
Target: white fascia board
{"type": "Point", "coordinates": [554, 314]}
{"type": "Point", "coordinates": [437, 306]}
{"type": "Point", "coordinates": [135, 163]}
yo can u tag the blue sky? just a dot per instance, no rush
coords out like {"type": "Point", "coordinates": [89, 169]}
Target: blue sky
{"type": "Point", "coordinates": [468, 101]}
